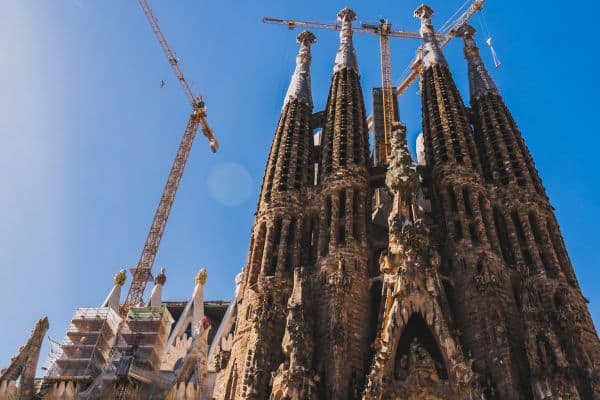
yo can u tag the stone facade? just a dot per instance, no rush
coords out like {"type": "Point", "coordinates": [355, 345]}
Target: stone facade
{"type": "Point", "coordinates": [442, 279]}
{"type": "Point", "coordinates": [459, 285]}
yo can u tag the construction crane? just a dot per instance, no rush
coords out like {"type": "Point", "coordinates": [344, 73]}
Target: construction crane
{"type": "Point", "coordinates": [384, 31]}
{"type": "Point", "coordinates": [415, 66]}
{"type": "Point", "coordinates": [387, 91]}
{"type": "Point", "coordinates": [142, 272]}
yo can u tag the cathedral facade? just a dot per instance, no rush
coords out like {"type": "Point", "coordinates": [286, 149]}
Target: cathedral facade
{"type": "Point", "coordinates": [441, 278]}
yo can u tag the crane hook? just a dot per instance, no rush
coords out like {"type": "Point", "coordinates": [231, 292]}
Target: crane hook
{"type": "Point", "coordinates": [497, 62]}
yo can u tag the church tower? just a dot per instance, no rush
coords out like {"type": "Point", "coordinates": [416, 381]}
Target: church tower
{"type": "Point", "coordinates": [280, 224]}
{"type": "Point", "coordinates": [365, 280]}
{"type": "Point", "coordinates": [473, 296]}
{"type": "Point", "coordinates": [478, 284]}
{"type": "Point", "coordinates": [341, 271]}
{"type": "Point", "coordinates": [556, 329]}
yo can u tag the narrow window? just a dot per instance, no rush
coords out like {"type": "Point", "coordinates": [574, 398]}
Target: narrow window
{"type": "Point", "coordinates": [356, 214]}
{"type": "Point", "coordinates": [342, 208]}
{"type": "Point", "coordinates": [275, 247]}
{"type": "Point", "coordinates": [473, 233]}
{"type": "Point", "coordinates": [341, 236]}
{"type": "Point", "coordinates": [535, 228]}
{"type": "Point", "coordinates": [467, 199]}
{"type": "Point", "coordinates": [314, 239]}
{"type": "Point", "coordinates": [458, 229]}
{"type": "Point", "coordinates": [505, 247]}
{"type": "Point", "coordinates": [257, 254]}
{"type": "Point", "coordinates": [326, 226]}
{"type": "Point", "coordinates": [452, 197]}
{"type": "Point", "coordinates": [291, 241]}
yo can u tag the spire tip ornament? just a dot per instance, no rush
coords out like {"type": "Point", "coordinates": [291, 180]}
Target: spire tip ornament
{"type": "Point", "coordinates": [431, 52]}
{"type": "Point", "coordinates": [424, 12]}
{"type": "Point", "coordinates": [466, 31]}
{"type": "Point", "coordinates": [347, 14]}
{"type": "Point", "coordinates": [480, 81]}
{"type": "Point", "coordinates": [306, 38]}
{"type": "Point", "coordinates": [120, 278]}
{"type": "Point", "coordinates": [202, 277]}
{"type": "Point", "coordinates": [346, 55]}
{"type": "Point", "coordinates": [299, 88]}
{"type": "Point", "coordinates": [161, 278]}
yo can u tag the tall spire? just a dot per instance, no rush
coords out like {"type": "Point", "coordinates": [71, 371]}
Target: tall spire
{"type": "Point", "coordinates": [479, 78]}
{"type": "Point", "coordinates": [346, 55]}
{"type": "Point", "coordinates": [156, 295]}
{"type": "Point", "coordinates": [300, 83]}
{"type": "Point", "coordinates": [114, 297]}
{"type": "Point", "coordinates": [432, 54]}
{"type": "Point", "coordinates": [198, 301]}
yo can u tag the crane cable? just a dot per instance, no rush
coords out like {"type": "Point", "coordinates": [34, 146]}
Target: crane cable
{"type": "Point", "coordinates": [488, 41]}
{"type": "Point", "coordinates": [452, 18]}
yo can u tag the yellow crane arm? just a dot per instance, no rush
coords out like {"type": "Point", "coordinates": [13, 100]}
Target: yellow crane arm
{"type": "Point", "coordinates": [364, 28]}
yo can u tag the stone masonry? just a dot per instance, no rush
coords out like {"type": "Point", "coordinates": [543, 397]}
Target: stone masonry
{"type": "Point", "coordinates": [463, 290]}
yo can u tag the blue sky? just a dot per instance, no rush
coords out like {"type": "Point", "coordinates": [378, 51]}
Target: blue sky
{"type": "Point", "coordinates": [88, 135]}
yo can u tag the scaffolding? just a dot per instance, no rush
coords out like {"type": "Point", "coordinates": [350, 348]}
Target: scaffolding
{"type": "Point", "coordinates": [87, 344]}
{"type": "Point", "coordinates": [144, 337]}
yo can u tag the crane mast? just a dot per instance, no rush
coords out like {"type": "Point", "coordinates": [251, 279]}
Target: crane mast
{"type": "Point", "coordinates": [197, 119]}
{"type": "Point", "coordinates": [387, 90]}
{"type": "Point", "coordinates": [144, 267]}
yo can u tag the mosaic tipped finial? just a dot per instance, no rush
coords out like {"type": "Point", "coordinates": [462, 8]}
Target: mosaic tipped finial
{"type": "Point", "coordinates": [161, 278]}
{"type": "Point", "coordinates": [431, 52]}
{"type": "Point", "coordinates": [480, 80]}
{"type": "Point", "coordinates": [347, 14]}
{"type": "Point", "coordinates": [424, 12]}
{"type": "Point", "coordinates": [120, 278]}
{"type": "Point", "coordinates": [299, 88]}
{"type": "Point", "coordinates": [466, 31]}
{"type": "Point", "coordinates": [201, 277]}
{"type": "Point", "coordinates": [346, 56]}
{"type": "Point", "coordinates": [306, 38]}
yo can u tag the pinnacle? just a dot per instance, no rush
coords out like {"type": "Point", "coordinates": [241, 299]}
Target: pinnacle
{"type": "Point", "coordinates": [306, 38]}
{"type": "Point", "coordinates": [424, 11]}
{"type": "Point", "coordinates": [466, 31]}
{"type": "Point", "coordinates": [347, 14]}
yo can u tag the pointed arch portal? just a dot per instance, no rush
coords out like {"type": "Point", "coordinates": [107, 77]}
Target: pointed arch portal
{"type": "Point", "coordinates": [417, 348]}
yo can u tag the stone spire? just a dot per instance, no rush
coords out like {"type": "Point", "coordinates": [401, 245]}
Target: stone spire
{"type": "Point", "coordinates": [300, 83]}
{"type": "Point", "coordinates": [23, 366]}
{"type": "Point", "coordinates": [287, 169]}
{"type": "Point", "coordinates": [198, 299]}
{"type": "Point", "coordinates": [446, 126]}
{"type": "Point", "coordinates": [479, 78]}
{"type": "Point", "coordinates": [156, 295]}
{"type": "Point", "coordinates": [504, 156]}
{"type": "Point", "coordinates": [432, 54]}
{"type": "Point", "coordinates": [114, 297]}
{"type": "Point", "coordinates": [346, 55]}
{"type": "Point", "coordinates": [282, 224]}
{"type": "Point", "coordinates": [343, 200]}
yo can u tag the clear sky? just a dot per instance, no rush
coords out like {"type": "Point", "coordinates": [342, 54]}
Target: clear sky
{"type": "Point", "coordinates": [88, 135]}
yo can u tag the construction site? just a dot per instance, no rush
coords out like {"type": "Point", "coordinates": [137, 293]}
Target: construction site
{"type": "Point", "coordinates": [370, 274]}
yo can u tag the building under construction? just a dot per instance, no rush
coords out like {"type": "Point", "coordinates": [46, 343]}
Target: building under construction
{"type": "Point", "coordinates": [370, 275]}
